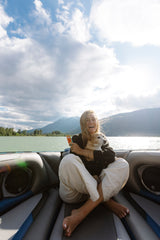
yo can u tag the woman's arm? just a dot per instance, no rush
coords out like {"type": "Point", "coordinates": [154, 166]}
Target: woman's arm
{"type": "Point", "coordinates": [98, 159]}
{"type": "Point", "coordinates": [103, 157]}
{"type": "Point", "coordinates": [89, 154]}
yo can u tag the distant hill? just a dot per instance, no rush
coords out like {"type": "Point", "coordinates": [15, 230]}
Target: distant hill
{"type": "Point", "coordinates": [65, 125]}
{"type": "Point", "coordinates": [144, 122]}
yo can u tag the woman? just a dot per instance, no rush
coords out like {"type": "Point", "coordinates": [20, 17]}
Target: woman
{"type": "Point", "coordinates": [77, 171]}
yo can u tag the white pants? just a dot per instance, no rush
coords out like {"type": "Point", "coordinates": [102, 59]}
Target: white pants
{"type": "Point", "coordinates": [76, 182]}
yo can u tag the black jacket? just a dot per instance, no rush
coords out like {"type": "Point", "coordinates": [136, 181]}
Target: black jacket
{"type": "Point", "coordinates": [102, 158]}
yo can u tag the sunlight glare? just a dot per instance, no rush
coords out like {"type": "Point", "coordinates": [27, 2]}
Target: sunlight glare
{"type": "Point", "coordinates": [132, 80]}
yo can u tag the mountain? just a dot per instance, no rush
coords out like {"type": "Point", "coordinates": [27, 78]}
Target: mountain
{"type": "Point", "coordinates": [65, 125]}
{"type": "Point", "coordinates": [144, 122]}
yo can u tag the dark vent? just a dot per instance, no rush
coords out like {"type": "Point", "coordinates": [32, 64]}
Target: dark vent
{"type": "Point", "coordinates": [18, 181]}
{"type": "Point", "coordinates": [151, 178]}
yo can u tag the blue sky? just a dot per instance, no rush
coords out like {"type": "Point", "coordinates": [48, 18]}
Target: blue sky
{"type": "Point", "coordinates": [59, 58]}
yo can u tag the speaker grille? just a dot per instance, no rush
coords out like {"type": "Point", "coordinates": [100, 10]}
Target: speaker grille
{"type": "Point", "coordinates": [150, 178]}
{"type": "Point", "coordinates": [18, 181]}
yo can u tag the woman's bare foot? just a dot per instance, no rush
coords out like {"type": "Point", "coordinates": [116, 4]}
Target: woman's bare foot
{"type": "Point", "coordinates": [120, 210]}
{"type": "Point", "coordinates": [71, 222]}
{"type": "Point", "coordinates": [78, 215]}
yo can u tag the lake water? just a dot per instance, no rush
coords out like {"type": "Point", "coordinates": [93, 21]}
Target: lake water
{"type": "Point", "coordinates": [36, 144]}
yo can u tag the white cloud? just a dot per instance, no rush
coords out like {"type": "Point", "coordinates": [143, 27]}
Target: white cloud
{"type": "Point", "coordinates": [60, 2]}
{"type": "Point", "coordinates": [75, 24]}
{"type": "Point", "coordinates": [133, 79]}
{"type": "Point", "coordinates": [42, 14]}
{"type": "Point", "coordinates": [4, 22]}
{"type": "Point", "coordinates": [136, 22]}
{"type": "Point", "coordinates": [79, 27]}
{"type": "Point", "coordinates": [131, 102]}
{"type": "Point", "coordinates": [50, 81]}
{"type": "Point", "coordinates": [58, 72]}
{"type": "Point", "coordinates": [4, 18]}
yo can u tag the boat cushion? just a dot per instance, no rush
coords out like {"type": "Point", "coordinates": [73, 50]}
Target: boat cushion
{"type": "Point", "coordinates": [144, 174]}
{"type": "Point", "coordinates": [99, 224]}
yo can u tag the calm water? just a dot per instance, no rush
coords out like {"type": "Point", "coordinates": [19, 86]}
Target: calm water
{"type": "Point", "coordinates": [16, 144]}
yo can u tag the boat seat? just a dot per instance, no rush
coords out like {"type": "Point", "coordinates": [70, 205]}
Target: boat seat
{"type": "Point", "coordinates": [44, 220]}
{"type": "Point", "coordinates": [41, 212]}
{"type": "Point", "coordinates": [22, 176]}
{"type": "Point", "coordinates": [32, 219]}
{"type": "Point", "coordinates": [144, 166]}
{"type": "Point", "coordinates": [99, 224]}
{"type": "Point", "coordinates": [137, 226]}
{"type": "Point", "coordinates": [12, 220]}
{"type": "Point", "coordinates": [141, 195]}
{"type": "Point", "coordinates": [53, 159]}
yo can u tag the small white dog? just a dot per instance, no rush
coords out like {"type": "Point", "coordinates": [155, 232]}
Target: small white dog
{"type": "Point", "coordinates": [96, 142]}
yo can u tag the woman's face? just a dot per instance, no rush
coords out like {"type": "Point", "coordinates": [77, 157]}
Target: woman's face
{"type": "Point", "coordinates": [91, 123]}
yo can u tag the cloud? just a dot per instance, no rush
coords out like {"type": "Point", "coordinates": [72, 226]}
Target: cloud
{"type": "Point", "coordinates": [74, 23]}
{"type": "Point", "coordinates": [136, 22]}
{"type": "Point", "coordinates": [46, 76]}
{"type": "Point", "coordinates": [4, 21]}
{"type": "Point", "coordinates": [57, 69]}
{"type": "Point", "coordinates": [41, 13]}
{"type": "Point", "coordinates": [134, 103]}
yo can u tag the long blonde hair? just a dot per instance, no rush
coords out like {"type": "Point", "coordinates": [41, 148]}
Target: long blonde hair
{"type": "Point", "coordinates": [85, 134]}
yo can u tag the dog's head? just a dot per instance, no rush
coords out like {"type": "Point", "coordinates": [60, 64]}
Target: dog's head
{"type": "Point", "coordinates": [96, 142]}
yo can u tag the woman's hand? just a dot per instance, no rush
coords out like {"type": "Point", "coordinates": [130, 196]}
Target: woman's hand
{"type": "Point", "coordinates": [75, 148]}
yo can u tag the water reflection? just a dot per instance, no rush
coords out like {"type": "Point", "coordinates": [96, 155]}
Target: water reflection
{"type": "Point", "coordinates": [9, 144]}
{"type": "Point", "coordinates": [134, 142]}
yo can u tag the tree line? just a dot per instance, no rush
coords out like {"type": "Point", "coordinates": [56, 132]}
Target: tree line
{"type": "Point", "coordinates": [36, 132]}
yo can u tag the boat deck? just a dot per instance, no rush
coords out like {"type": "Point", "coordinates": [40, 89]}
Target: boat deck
{"type": "Point", "coordinates": [33, 209]}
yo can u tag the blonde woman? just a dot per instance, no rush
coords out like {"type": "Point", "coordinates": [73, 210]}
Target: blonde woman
{"type": "Point", "coordinates": [77, 171]}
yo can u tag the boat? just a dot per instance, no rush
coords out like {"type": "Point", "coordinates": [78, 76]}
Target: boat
{"type": "Point", "coordinates": [31, 209]}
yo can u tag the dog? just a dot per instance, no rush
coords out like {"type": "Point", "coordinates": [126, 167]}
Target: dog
{"type": "Point", "coordinates": [96, 142]}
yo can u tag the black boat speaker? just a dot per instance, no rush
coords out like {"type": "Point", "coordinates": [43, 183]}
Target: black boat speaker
{"type": "Point", "coordinates": [150, 178]}
{"type": "Point", "coordinates": [17, 181]}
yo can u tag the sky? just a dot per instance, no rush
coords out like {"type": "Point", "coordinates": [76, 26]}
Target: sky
{"type": "Point", "coordinates": [59, 58]}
